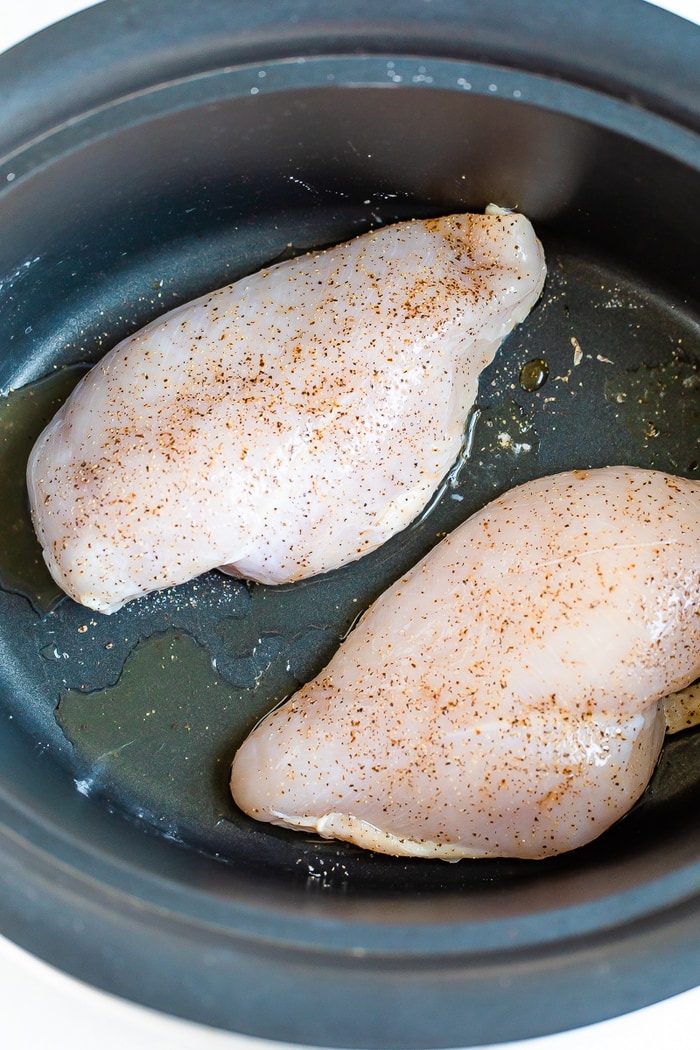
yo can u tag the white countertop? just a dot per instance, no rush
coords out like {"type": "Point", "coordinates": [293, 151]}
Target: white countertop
{"type": "Point", "coordinates": [39, 1005]}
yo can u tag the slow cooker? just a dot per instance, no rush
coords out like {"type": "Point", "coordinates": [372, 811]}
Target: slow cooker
{"type": "Point", "coordinates": [152, 151]}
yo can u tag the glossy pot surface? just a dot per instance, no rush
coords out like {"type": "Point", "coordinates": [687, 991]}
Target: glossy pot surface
{"type": "Point", "coordinates": [150, 152]}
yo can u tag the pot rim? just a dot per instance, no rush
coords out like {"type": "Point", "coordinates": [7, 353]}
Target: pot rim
{"type": "Point", "coordinates": [76, 901]}
{"type": "Point", "coordinates": [45, 80]}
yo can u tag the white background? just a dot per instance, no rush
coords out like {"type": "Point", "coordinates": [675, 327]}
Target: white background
{"type": "Point", "coordinates": [41, 1005]}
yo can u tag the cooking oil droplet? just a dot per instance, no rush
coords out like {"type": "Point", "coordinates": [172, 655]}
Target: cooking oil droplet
{"type": "Point", "coordinates": [290, 251]}
{"type": "Point", "coordinates": [161, 739]}
{"type": "Point", "coordinates": [51, 652]}
{"type": "Point", "coordinates": [23, 415]}
{"type": "Point", "coordinates": [534, 374]}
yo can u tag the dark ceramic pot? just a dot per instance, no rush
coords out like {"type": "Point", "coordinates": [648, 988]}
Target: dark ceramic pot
{"type": "Point", "coordinates": [151, 151]}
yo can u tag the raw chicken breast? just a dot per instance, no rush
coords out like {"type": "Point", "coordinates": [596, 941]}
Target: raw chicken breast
{"type": "Point", "coordinates": [286, 424]}
{"type": "Point", "coordinates": [502, 698]}
{"type": "Point", "coordinates": [682, 709]}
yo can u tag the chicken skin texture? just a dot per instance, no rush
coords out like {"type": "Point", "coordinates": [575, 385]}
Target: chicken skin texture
{"type": "Point", "coordinates": [504, 697]}
{"type": "Point", "coordinates": [286, 424]}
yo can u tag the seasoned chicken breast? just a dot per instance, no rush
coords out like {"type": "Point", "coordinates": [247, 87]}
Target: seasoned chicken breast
{"type": "Point", "coordinates": [504, 698]}
{"type": "Point", "coordinates": [286, 424]}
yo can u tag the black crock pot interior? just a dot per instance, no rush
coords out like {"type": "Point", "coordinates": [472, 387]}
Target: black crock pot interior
{"type": "Point", "coordinates": [173, 151]}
